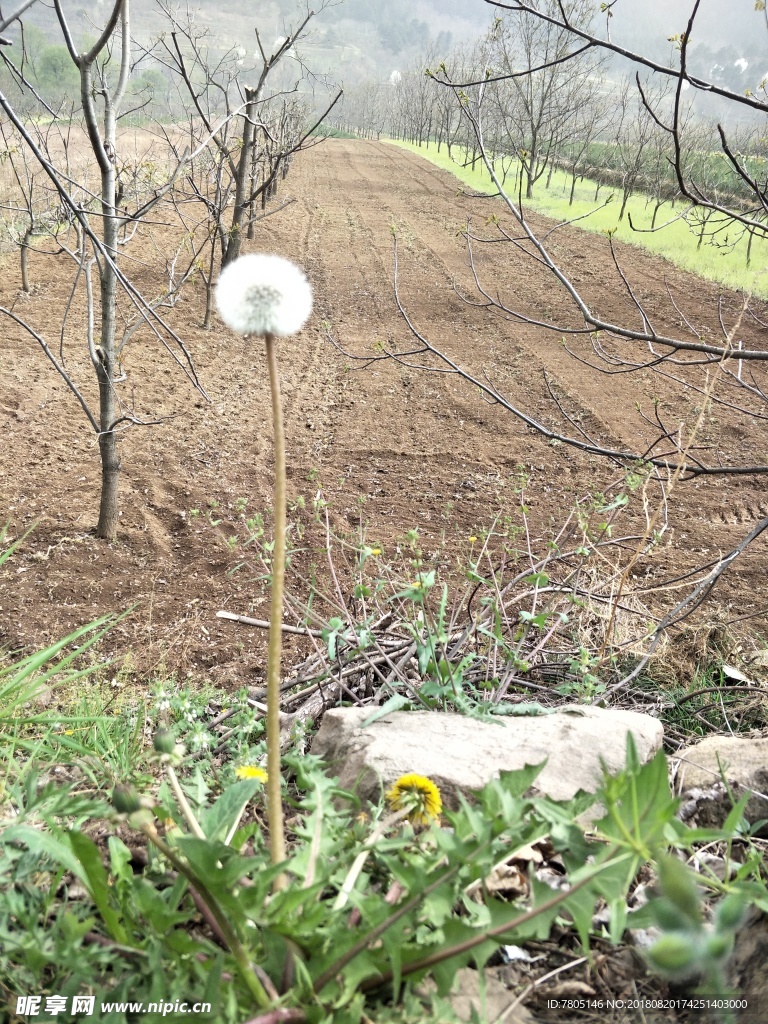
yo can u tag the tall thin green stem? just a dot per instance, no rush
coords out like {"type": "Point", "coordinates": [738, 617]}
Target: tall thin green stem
{"type": "Point", "coordinates": [236, 947]}
{"type": "Point", "coordinates": [274, 797]}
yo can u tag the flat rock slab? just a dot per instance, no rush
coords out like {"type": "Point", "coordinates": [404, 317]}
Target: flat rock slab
{"type": "Point", "coordinates": [460, 753]}
{"type": "Point", "coordinates": [487, 1005]}
{"type": "Point", "coordinates": [743, 762]}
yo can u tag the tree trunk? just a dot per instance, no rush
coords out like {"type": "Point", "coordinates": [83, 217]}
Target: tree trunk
{"type": "Point", "coordinates": [701, 233]}
{"type": "Point", "coordinates": [624, 200]}
{"type": "Point", "coordinates": [216, 239]}
{"type": "Point", "coordinates": [110, 477]}
{"type": "Point", "coordinates": [24, 259]}
{"type": "Point", "coordinates": [242, 182]}
{"type": "Point", "coordinates": [253, 179]}
{"type": "Point", "coordinates": [110, 460]}
{"type": "Point", "coordinates": [105, 354]}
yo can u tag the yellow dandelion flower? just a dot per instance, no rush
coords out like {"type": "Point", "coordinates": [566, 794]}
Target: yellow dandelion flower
{"type": "Point", "coordinates": [251, 771]}
{"type": "Point", "coordinates": [417, 795]}
{"type": "Point", "coordinates": [473, 540]}
{"type": "Point", "coordinates": [375, 551]}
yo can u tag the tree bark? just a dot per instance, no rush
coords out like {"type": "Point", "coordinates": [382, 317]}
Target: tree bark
{"type": "Point", "coordinates": [25, 258]}
{"type": "Point", "coordinates": [110, 477]}
{"type": "Point", "coordinates": [242, 182]}
{"type": "Point", "coordinates": [105, 356]}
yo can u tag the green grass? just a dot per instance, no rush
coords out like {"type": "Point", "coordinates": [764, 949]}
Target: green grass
{"type": "Point", "coordinates": [677, 242]}
{"type": "Point", "coordinates": [327, 131]}
{"type": "Point", "coordinates": [711, 166]}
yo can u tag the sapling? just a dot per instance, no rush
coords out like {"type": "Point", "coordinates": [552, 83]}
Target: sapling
{"type": "Point", "coordinates": [269, 297]}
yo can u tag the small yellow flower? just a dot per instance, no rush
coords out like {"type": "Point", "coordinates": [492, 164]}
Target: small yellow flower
{"type": "Point", "coordinates": [251, 771]}
{"type": "Point", "coordinates": [473, 540]}
{"type": "Point", "coordinates": [418, 795]}
{"type": "Point", "coordinates": [375, 551]}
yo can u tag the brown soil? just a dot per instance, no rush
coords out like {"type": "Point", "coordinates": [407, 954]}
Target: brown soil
{"type": "Point", "coordinates": [392, 448]}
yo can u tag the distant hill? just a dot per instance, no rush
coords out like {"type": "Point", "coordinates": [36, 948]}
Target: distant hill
{"type": "Point", "coordinates": [351, 38]}
{"type": "Point", "coordinates": [358, 40]}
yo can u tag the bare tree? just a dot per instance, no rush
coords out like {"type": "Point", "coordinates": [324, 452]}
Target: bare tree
{"type": "Point", "coordinates": [414, 102]}
{"type": "Point", "coordinates": [536, 86]}
{"type": "Point", "coordinates": [255, 129]}
{"type": "Point", "coordinates": [104, 225]}
{"type": "Point", "coordinates": [591, 122]}
{"type": "Point", "coordinates": [583, 39]}
{"type": "Point", "coordinates": [594, 339]}
{"type": "Point", "coordinates": [637, 134]}
{"type": "Point", "coordinates": [365, 111]}
{"type": "Point", "coordinates": [32, 209]}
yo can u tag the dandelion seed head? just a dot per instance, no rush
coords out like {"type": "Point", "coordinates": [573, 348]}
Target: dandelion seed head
{"type": "Point", "coordinates": [263, 294]}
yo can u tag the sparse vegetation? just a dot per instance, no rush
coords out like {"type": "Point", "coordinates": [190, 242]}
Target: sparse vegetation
{"type": "Point", "coordinates": [727, 263]}
{"type": "Point", "coordinates": [533, 512]}
{"type": "Point", "coordinates": [170, 888]}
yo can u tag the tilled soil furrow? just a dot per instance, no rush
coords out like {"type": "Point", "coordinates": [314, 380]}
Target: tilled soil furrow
{"type": "Point", "coordinates": [391, 446]}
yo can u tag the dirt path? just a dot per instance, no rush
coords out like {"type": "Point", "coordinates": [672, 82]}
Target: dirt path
{"type": "Point", "coordinates": [391, 448]}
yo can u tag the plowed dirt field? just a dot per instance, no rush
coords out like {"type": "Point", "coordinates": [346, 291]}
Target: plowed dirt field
{"type": "Point", "coordinates": [391, 447]}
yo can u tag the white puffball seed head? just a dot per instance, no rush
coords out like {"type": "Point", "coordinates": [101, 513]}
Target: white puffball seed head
{"type": "Point", "coordinates": [263, 294]}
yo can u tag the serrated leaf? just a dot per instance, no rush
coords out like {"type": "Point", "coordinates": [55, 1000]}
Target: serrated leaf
{"type": "Point", "coordinates": [89, 855]}
{"type": "Point", "coordinates": [43, 843]}
{"type": "Point", "coordinates": [396, 702]}
{"type": "Point", "coordinates": [219, 819]}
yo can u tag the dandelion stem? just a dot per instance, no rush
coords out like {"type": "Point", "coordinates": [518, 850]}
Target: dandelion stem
{"type": "Point", "coordinates": [359, 863]}
{"type": "Point", "coordinates": [181, 800]}
{"type": "Point", "coordinates": [236, 947]}
{"type": "Point", "coordinates": [274, 797]}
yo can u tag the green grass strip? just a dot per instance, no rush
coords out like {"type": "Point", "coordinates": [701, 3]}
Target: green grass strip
{"type": "Point", "coordinates": [677, 242]}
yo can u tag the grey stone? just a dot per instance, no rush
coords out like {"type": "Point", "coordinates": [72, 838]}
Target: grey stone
{"type": "Point", "coordinates": [744, 763]}
{"type": "Point", "coordinates": [460, 753]}
{"type": "Point", "coordinates": [488, 1006]}
{"type": "Point", "coordinates": [746, 969]}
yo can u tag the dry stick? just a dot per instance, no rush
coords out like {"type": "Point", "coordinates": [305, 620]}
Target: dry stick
{"type": "Point", "coordinates": [274, 795]}
{"type": "Point", "coordinates": [282, 1015]}
{"type": "Point", "coordinates": [673, 480]}
{"type": "Point", "coordinates": [534, 985]}
{"type": "Point", "coordinates": [299, 630]}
